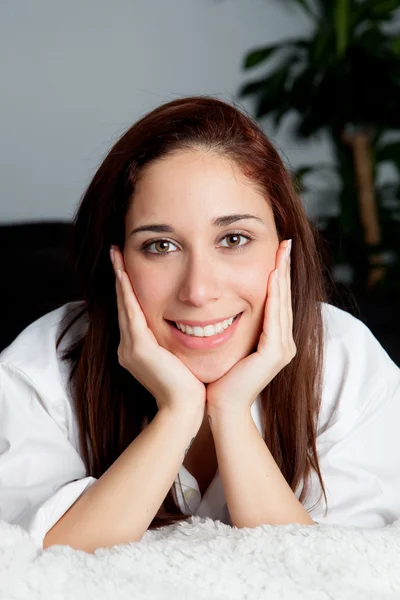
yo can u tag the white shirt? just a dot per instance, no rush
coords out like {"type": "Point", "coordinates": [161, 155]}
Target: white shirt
{"type": "Point", "coordinates": [42, 473]}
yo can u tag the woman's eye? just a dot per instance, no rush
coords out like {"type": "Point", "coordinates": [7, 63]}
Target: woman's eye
{"type": "Point", "coordinates": [236, 236]}
{"type": "Point", "coordinates": [161, 246]}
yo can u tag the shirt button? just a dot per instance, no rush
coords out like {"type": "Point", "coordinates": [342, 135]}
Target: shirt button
{"type": "Point", "coordinates": [189, 493]}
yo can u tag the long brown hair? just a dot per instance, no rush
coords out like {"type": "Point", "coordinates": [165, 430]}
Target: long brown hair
{"type": "Point", "coordinates": [112, 406]}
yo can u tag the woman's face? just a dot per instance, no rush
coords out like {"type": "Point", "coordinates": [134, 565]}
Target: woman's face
{"type": "Point", "coordinates": [195, 269]}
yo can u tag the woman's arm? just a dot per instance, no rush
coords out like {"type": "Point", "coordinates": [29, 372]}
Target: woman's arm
{"type": "Point", "coordinates": [255, 490]}
{"type": "Point", "coordinates": [119, 507]}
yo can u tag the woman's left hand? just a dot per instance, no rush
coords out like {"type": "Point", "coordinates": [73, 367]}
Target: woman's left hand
{"type": "Point", "coordinates": [238, 388]}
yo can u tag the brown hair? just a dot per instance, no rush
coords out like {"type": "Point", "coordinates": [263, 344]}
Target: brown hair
{"type": "Point", "coordinates": [112, 406]}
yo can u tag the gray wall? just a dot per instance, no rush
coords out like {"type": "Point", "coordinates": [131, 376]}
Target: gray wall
{"type": "Point", "coordinates": [74, 75]}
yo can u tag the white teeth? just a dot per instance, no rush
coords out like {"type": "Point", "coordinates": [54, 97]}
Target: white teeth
{"type": "Point", "coordinates": [220, 327]}
{"type": "Point", "coordinates": [206, 331]}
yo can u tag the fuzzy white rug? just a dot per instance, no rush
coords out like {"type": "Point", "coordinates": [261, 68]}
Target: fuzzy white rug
{"type": "Point", "coordinates": [207, 560]}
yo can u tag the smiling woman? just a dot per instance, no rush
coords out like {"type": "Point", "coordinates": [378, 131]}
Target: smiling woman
{"type": "Point", "coordinates": [204, 371]}
{"type": "Point", "coordinates": [218, 258]}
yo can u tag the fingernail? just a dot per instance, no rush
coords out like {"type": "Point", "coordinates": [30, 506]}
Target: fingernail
{"type": "Point", "coordinates": [119, 274]}
{"type": "Point", "coordinates": [112, 254]}
{"type": "Point", "coordinates": [288, 248]}
{"type": "Point", "coordinates": [276, 274]}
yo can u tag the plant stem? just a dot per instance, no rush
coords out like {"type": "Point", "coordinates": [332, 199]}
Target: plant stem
{"type": "Point", "coordinates": [342, 26]}
{"type": "Point", "coordinates": [361, 148]}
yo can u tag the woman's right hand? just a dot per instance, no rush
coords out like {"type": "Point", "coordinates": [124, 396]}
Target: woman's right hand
{"type": "Point", "coordinates": [169, 381]}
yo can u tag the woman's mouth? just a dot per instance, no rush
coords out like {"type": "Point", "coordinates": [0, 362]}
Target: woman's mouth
{"type": "Point", "coordinates": [205, 337]}
{"type": "Point", "coordinates": [208, 330]}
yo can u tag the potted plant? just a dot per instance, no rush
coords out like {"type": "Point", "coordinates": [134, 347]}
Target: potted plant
{"type": "Point", "coordinates": [344, 79]}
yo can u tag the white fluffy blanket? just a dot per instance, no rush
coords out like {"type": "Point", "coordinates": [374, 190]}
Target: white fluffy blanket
{"type": "Point", "coordinates": [205, 559]}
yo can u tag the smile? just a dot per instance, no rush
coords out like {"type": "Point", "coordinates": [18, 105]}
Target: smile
{"type": "Point", "coordinates": [208, 330]}
{"type": "Point", "coordinates": [205, 338]}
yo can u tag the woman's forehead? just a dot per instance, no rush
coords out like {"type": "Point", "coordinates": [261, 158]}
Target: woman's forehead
{"type": "Point", "coordinates": [197, 185]}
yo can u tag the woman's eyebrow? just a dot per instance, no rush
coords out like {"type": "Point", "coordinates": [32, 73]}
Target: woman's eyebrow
{"type": "Point", "coordinates": [217, 222]}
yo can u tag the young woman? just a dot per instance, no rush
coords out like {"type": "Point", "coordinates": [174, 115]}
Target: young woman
{"type": "Point", "coordinates": [204, 371]}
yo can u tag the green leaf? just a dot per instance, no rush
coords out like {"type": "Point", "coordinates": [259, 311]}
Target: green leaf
{"type": "Point", "coordinates": [283, 110]}
{"type": "Point", "coordinates": [252, 87]}
{"type": "Point", "coordinates": [322, 48]}
{"type": "Point", "coordinates": [384, 7]}
{"type": "Point", "coordinates": [274, 93]}
{"type": "Point", "coordinates": [301, 172]}
{"type": "Point", "coordinates": [375, 11]}
{"type": "Point", "coordinates": [327, 10]}
{"type": "Point", "coordinates": [373, 40]}
{"type": "Point", "coordinates": [304, 170]}
{"type": "Point", "coordinates": [258, 55]}
{"type": "Point", "coordinates": [255, 57]}
{"type": "Point", "coordinates": [396, 46]}
{"type": "Point", "coordinates": [298, 178]}
{"type": "Point", "coordinates": [306, 7]}
{"type": "Point", "coordinates": [342, 26]}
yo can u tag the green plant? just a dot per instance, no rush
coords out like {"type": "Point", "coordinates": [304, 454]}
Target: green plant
{"type": "Point", "coordinates": [344, 79]}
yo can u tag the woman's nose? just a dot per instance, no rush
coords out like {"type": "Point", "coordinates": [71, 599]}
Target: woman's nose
{"type": "Point", "coordinates": [201, 282]}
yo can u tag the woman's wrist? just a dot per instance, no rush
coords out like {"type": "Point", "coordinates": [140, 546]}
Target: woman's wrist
{"type": "Point", "coordinates": [234, 415]}
{"type": "Point", "coordinates": [188, 417]}
{"type": "Point", "coordinates": [227, 426]}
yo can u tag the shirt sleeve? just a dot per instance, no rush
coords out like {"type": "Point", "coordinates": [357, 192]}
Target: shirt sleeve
{"type": "Point", "coordinates": [41, 473]}
{"type": "Point", "coordinates": [358, 448]}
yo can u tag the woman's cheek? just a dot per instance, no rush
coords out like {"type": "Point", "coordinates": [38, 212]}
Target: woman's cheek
{"type": "Point", "coordinates": [256, 285]}
{"type": "Point", "coordinates": [144, 284]}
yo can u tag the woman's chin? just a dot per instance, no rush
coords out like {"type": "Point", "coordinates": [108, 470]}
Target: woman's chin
{"type": "Point", "coordinates": [207, 371]}
{"type": "Point", "coordinates": [208, 377]}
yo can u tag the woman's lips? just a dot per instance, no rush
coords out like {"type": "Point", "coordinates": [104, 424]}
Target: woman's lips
{"type": "Point", "coordinates": [204, 343]}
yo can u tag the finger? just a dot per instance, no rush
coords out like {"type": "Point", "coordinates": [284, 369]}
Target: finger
{"type": "Point", "coordinates": [117, 259]}
{"type": "Point", "coordinates": [272, 290]}
{"type": "Point", "coordinates": [289, 276]}
{"type": "Point", "coordinates": [272, 325]}
{"type": "Point", "coordinates": [130, 304]}
{"type": "Point", "coordinates": [287, 301]}
{"type": "Point", "coordinates": [283, 284]}
{"type": "Point", "coordinates": [122, 316]}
